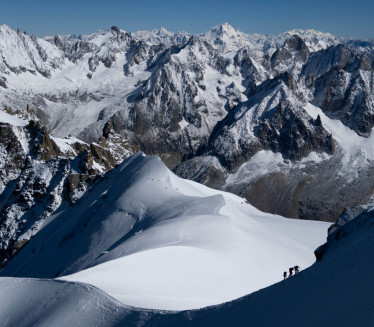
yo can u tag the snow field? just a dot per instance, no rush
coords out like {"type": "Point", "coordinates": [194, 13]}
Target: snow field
{"type": "Point", "coordinates": [204, 246]}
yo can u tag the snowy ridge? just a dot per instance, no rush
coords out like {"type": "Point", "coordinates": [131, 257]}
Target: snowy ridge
{"type": "Point", "coordinates": [181, 244]}
{"type": "Point", "coordinates": [56, 303]}
{"type": "Point", "coordinates": [330, 283]}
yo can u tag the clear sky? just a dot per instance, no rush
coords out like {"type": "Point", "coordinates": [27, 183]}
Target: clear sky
{"type": "Point", "coordinates": [41, 17]}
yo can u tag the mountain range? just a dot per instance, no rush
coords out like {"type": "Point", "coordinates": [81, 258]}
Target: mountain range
{"type": "Point", "coordinates": [213, 106]}
{"type": "Point", "coordinates": [104, 136]}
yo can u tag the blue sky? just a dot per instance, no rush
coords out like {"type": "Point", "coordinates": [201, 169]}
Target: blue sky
{"type": "Point", "coordinates": [40, 17]}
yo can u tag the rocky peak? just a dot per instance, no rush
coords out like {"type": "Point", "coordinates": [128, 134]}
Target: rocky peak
{"type": "Point", "coordinates": [39, 172]}
{"type": "Point", "coordinates": [315, 40]}
{"type": "Point", "coordinates": [73, 48]}
{"type": "Point", "coordinates": [115, 30]}
{"type": "Point", "coordinates": [21, 53]}
{"type": "Point", "coordinates": [44, 147]}
{"type": "Point", "coordinates": [344, 91]}
{"type": "Point", "coordinates": [296, 43]}
{"type": "Point", "coordinates": [286, 131]}
{"type": "Point", "coordinates": [249, 70]}
{"type": "Point", "coordinates": [223, 29]}
{"type": "Point", "coordinates": [291, 56]}
{"type": "Point", "coordinates": [287, 79]}
{"type": "Point", "coordinates": [272, 119]}
{"type": "Point", "coordinates": [321, 62]}
{"type": "Point", "coordinates": [120, 36]}
{"type": "Point", "coordinates": [164, 32]}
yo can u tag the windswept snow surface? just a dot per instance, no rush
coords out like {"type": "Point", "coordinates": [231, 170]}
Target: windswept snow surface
{"type": "Point", "coordinates": [32, 302]}
{"type": "Point", "coordinates": [207, 247]}
{"type": "Point", "coordinates": [336, 291]}
{"type": "Point", "coordinates": [153, 240]}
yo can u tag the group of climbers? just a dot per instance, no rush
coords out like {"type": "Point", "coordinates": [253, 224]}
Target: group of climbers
{"type": "Point", "coordinates": [291, 271]}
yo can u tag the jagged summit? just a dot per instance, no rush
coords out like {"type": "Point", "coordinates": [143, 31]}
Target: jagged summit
{"type": "Point", "coordinates": [164, 31]}
{"type": "Point", "coordinates": [315, 40]}
{"type": "Point", "coordinates": [224, 28]}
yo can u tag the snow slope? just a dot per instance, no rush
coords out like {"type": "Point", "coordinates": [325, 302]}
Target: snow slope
{"type": "Point", "coordinates": [153, 240]}
{"type": "Point", "coordinates": [31, 302]}
{"type": "Point", "coordinates": [336, 291]}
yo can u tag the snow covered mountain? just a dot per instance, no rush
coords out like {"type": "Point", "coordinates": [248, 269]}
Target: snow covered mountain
{"type": "Point", "coordinates": [335, 291]}
{"type": "Point", "coordinates": [153, 240]}
{"type": "Point", "coordinates": [283, 121]}
{"type": "Point", "coordinates": [228, 39]}
{"type": "Point", "coordinates": [189, 98]}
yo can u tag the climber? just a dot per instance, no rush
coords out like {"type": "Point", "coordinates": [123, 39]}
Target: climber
{"type": "Point", "coordinates": [291, 270]}
{"type": "Point", "coordinates": [296, 269]}
{"type": "Point", "coordinates": [284, 275]}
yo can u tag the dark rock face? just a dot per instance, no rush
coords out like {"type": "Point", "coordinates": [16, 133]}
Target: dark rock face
{"type": "Point", "coordinates": [294, 50]}
{"type": "Point", "coordinates": [10, 144]}
{"type": "Point", "coordinates": [342, 86]}
{"type": "Point", "coordinates": [339, 56]}
{"type": "Point", "coordinates": [248, 70]}
{"type": "Point", "coordinates": [3, 82]}
{"type": "Point", "coordinates": [46, 148]}
{"type": "Point", "coordinates": [295, 43]}
{"type": "Point", "coordinates": [280, 56]}
{"type": "Point", "coordinates": [202, 172]}
{"type": "Point", "coordinates": [285, 132]}
{"type": "Point", "coordinates": [283, 127]}
{"type": "Point", "coordinates": [36, 177]}
{"type": "Point", "coordinates": [276, 186]}
{"type": "Point", "coordinates": [346, 96]}
{"type": "Point", "coordinates": [73, 49]}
